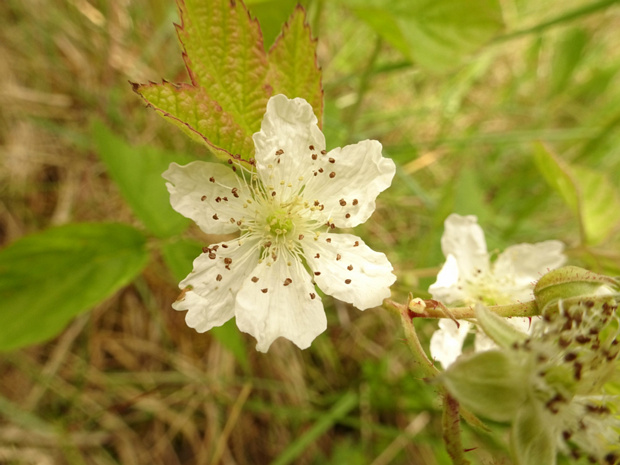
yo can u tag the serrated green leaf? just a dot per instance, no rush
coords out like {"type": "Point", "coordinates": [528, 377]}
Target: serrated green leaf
{"type": "Point", "coordinates": [137, 172]}
{"type": "Point", "coordinates": [223, 52]}
{"type": "Point", "coordinates": [591, 195]}
{"type": "Point", "coordinates": [227, 65]}
{"type": "Point", "coordinates": [179, 256]}
{"type": "Point", "coordinates": [200, 117]}
{"type": "Point", "coordinates": [436, 34]}
{"type": "Point", "coordinates": [532, 440]}
{"type": "Point", "coordinates": [48, 278]}
{"type": "Point", "coordinates": [490, 384]}
{"type": "Point", "coordinates": [231, 75]}
{"type": "Point", "coordinates": [293, 68]}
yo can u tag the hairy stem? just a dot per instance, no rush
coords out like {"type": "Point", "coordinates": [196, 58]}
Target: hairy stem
{"type": "Point", "coordinates": [451, 422]}
{"type": "Point", "coordinates": [435, 309]}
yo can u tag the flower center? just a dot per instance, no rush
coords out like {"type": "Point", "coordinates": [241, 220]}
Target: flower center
{"type": "Point", "coordinates": [280, 222]}
{"type": "Point", "coordinates": [487, 288]}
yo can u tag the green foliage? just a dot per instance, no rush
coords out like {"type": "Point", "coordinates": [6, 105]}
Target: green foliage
{"type": "Point", "coordinates": [591, 195]}
{"type": "Point", "coordinates": [436, 34]}
{"type": "Point", "coordinates": [137, 172]}
{"type": "Point", "coordinates": [232, 76]}
{"type": "Point", "coordinates": [48, 278]}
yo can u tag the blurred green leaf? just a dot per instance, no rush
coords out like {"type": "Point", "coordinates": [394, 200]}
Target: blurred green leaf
{"type": "Point", "coordinates": [436, 34]}
{"type": "Point", "coordinates": [293, 67]}
{"type": "Point", "coordinates": [469, 196]}
{"type": "Point", "coordinates": [137, 172]}
{"type": "Point", "coordinates": [179, 257]}
{"type": "Point", "coordinates": [591, 195]}
{"type": "Point", "coordinates": [48, 278]}
{"type": "Point", "coordinates": [271, 15]}
{"type": "Point", "coordinates": [345, 404]}
{"type": "Point", "coordinates": [566, 58]}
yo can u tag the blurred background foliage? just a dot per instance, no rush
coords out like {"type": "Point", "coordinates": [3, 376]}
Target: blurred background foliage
{"type": "Point", "coordinates": [127, 382]}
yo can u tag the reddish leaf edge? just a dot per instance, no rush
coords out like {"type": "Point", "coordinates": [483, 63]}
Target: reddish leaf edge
{"type": "Point", "coordinates": [231, 157]}
{"type": "Point", "coordinates": [285, 29]}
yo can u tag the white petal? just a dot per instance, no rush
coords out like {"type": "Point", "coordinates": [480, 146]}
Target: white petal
{"type": "Point", "coordinates": [447, 289]}
{"type": "Point", "coordinates": [204, 192]}
{"type": "Point", "coordinates": [349, 270]}
{"type": "Point", "coordinates": [447, 342]}
{"type": "Point", "coordinates": [349, 180]}
{"type": "Point", "coordinates": [526, 263]}
{"type": "Point", "coordinates": [464, 239]}
{"type": "Point", "coordinates": [215, 280]}
{"type": "Point", "coordinates": [288, 138]}
{"type": "Point", "coordinates": [281, 303]}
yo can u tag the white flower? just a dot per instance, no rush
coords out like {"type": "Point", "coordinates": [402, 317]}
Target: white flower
{"type": "Point", "coordinates": [469, 276]}
{"type": "Point", "coordinates": [284, 212]}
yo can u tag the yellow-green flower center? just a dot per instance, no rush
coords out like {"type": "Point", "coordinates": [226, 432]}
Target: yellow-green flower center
{"type": "Point", "coordinates": [280, 222]}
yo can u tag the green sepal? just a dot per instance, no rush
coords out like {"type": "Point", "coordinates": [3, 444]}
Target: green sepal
{"type": "Point", "coordinates": [490, 384]}
{"type": "Point", "coordinates": [503, 334]}
{"type": "Point", "coordinates": [567, 282]}
{"type": "Point", "coordinates": [532, 440]}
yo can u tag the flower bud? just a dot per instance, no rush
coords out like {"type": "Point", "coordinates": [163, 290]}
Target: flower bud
{"type": "Point", "coordinates": [571, 281]}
